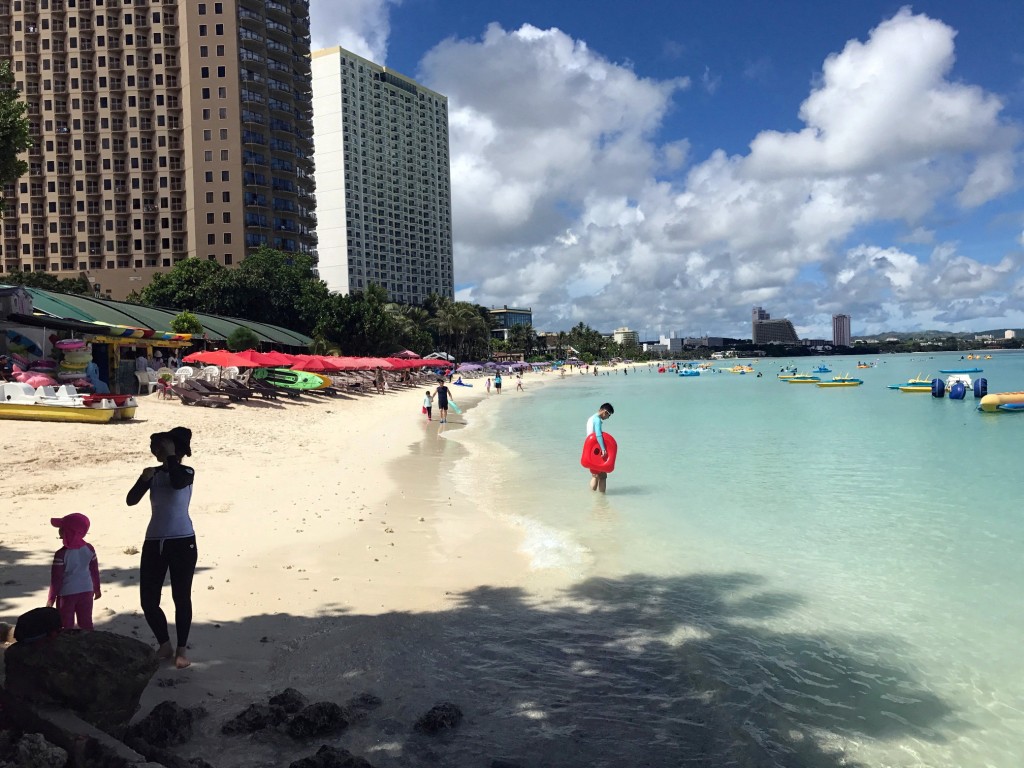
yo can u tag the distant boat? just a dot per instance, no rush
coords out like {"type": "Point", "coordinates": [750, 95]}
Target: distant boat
{"type": "Point", "coordinates": [822, 369]}
{"type": "Point", "coordinates": [845, 380]}
{"type": "Point", "coordinates": [802, 378]}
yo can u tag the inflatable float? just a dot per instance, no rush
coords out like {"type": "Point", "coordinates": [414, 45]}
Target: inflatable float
{"type": "Point", "coordinates": [591, 458]}
{"type": "Point", "coordinates": [991, 403]}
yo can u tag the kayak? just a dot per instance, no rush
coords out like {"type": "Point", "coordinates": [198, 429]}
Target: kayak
{"type": "Point", "coordinates": [286, 378]}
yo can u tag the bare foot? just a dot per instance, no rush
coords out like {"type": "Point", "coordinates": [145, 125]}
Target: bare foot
{"type": "Point", "coordinates": [180, 660]}
{"type": "Point", "coordinates": [165, 651]}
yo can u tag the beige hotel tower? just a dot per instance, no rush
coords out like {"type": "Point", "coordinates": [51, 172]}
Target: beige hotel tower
{"type": "Point", "coordinates": [163, 131]}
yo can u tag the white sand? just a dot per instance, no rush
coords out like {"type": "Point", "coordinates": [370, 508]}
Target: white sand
{"type": "Point", "coordinates": [304, 511]}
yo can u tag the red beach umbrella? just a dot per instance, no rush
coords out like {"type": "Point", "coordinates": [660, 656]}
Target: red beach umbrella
{"type": "Point", "coordinates": [221, 357]}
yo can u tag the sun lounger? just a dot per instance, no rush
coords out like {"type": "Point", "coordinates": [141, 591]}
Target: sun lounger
{"type": "Point", "coordinates": [191, 397]}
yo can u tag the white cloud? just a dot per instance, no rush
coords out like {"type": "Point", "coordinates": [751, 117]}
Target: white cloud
{"type": "Point", "coordinates": [567, 198]}
{"type": "Point", "coordinates": [556, 205]}
{"type": "Point", "coordinates": [361, 26]}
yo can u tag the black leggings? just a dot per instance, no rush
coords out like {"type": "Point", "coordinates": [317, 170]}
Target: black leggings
{"type": "Point", "coordinates": [178, 556]}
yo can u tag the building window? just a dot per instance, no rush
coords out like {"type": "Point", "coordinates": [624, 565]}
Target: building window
{"type": "Point", "coordinates": [227, 238]}
{"type": "Point", "coordinates": [209, 197]}
{"type": "Point", "coordinates": [227, 217]}
{"type": "Point", "coordinates": [210, 240]}
{"type": "Point", "coordinates": [209, 177]}
{"type": "Point", "coordinates": [209, 218]}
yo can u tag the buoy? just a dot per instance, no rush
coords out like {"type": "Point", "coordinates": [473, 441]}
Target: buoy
{"type": "Point", "coordinates": [980, 387]}
{"type": "Point", "coordinates": [938, 388]}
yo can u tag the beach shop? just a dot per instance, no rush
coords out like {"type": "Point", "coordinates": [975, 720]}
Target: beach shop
{"type": "Point", "coordinates": [117, 332]}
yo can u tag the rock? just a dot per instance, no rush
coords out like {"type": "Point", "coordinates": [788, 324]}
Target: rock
{"type": "Point", "coordinates": [290, 700]}
{"type": "Point", "coordinates": [254, 718]}
{"type": "Point", "coordinates": [440, 717]}
{"type": "Point", "coordinates": [331, 757]}
{"type": "Point", "coordinates": [504, 762]}
{"type": "Point", "coordinates": [33, 751]}
{"type": "Point", "coordinates": [98, 675]}
{"type": "Point", "coordinates": [317, 719]}
{"type": "Point", "coordinates": [360, 706]}
{"type": "Point", "coordinates": [167, 724]}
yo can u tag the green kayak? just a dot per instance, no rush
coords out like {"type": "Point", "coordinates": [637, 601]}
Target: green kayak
{"type": "Point", "coordinates": [286, 378]}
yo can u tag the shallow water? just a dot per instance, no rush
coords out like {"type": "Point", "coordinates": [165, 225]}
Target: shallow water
{"type": "Point", "coordinates": [779, 574]}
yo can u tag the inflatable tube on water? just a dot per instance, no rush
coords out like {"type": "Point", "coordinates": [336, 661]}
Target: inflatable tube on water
{"type": "Point", "coordinates": [993, 400]}
{"type": "Point", "coordinates": [454, 407]}
{"type": "Point", "coordinates": [591, 458]}
{"type": "Point", "coordinates": [65, 345]}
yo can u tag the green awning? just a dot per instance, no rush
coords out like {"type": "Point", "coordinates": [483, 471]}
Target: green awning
{"type": "Point", "coordinates": [216, 328]}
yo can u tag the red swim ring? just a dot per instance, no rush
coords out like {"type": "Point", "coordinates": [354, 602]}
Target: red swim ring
{"type": "Point", "coordinates": [591, 458]}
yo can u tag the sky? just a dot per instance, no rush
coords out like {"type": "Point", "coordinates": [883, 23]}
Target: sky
{"type": "Point", "coordinates": [667, 165]}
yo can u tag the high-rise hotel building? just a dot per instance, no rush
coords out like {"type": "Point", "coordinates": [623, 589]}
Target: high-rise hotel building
{"type": "Point", "coordinates": [163, 131]}
{"type": "Point", "coordinates": [840, 330]}
{"type": "Point", "coordinates": [383, 179]}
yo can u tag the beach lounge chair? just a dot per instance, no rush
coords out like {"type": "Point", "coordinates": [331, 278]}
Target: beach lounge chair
{"type": "Point", "coordinates": [145, 382]}
{"type": "Point", "coordinates": [191, 397]}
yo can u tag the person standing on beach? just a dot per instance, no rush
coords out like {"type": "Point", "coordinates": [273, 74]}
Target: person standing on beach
{"type": "Point", "coordinates": [497, 383]}
{"type": "Point", "coordinates": [75, 574]}
{"type": "Point", "coordinates": [170, 543]}
{"type": "Point", "coordinates": [599, 480]}
{"type": "Point", "coordinates": [488, 385]}
{"type": "Point", "coordinates": [428, 403]}
{"type": "Point", "coordinates": [519, 383]}
{"type": "Point", "coordinates": [441, 393]}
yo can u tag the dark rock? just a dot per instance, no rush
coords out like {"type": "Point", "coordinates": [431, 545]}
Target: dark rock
{"type": "Point", "coordinates": [198, 762]}
{"type": "Point", "coordinates": [317, 719]}
{"type": "Point", "coordinates": [33, 751]}
{"type": "Point", "coordinates": [440, 717]}
{"type": "Point", "coordinates": [503, 762]}
{"type": "Point", "coordinates": [166, 725]}
{"type": "Point", "coordinates": [253, 718]}
{"type": "Point", "coordinates": [331, 757]}
{"type": "Point", "coordinates": [360, 706]}
{"type": "Point", "coordinates": [98, 675]}
{"type": "Point", "coordinates": [290, 700]}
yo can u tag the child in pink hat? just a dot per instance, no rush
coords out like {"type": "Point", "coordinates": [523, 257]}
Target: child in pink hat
{"type": "Point", "coordinates": [75, 575]}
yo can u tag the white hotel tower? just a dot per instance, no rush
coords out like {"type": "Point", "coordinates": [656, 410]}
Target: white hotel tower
{"type": "Point", "coordinates": [383, 179]}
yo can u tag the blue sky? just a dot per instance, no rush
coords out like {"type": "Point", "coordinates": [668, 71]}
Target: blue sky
{"type": "Point", "coordinates": [667, 165]}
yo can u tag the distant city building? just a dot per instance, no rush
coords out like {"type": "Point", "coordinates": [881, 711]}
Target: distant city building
{"type": "Point", "coordinates": [626, 337]}
{"type": "Point", "coordinates": [841, 330]}
{"type": "Point", "coordinates": [764, 330]}
{"type": "Point", "coordinates": [1010, 335]}
{"type": "Point", "coordinates": [385, 201]}
{"type": "Point", "coordinates": [506, 318]}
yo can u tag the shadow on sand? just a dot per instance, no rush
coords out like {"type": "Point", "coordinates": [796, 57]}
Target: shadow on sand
{"type": "Point", "coordinates": [636, 671]}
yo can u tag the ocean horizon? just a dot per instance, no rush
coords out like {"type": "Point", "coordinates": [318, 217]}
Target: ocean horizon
{"type": "Point", "coordinates": [823, 576]}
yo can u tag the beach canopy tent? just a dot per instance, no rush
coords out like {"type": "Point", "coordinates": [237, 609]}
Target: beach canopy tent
{"type": "Point", "coordinates": [406, 354]}
{"type": "Point", "coordinates": [86, 309]}
{"type": "Point", "coordinates": [272, 359]}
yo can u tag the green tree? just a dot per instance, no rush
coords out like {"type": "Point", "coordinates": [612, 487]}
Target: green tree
{"type": "Point", "coordinates": [14, 126]}
{"type": "Point", "coordinates": [186, 322]}
{"type": "Point", "coordinates": [359, 323]}
{"type": "Point", "coordinates": [242, 338]}
{"type": "Point", "coordinates": [47, 282]}
{"type": "Point", "coordinates": [190, 285]}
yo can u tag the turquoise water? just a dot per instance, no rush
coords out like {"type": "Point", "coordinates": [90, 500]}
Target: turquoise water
{"type": "Point", "coordinates": [835, 574]}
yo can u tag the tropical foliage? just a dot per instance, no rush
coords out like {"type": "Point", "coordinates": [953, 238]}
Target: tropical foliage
{"type": "Point", "coordinates": [284, 289]}
{"type": "Point", "coordinates": [47, 282]}
{"type": "Point", "coordinates": [14, 127]}
{"type": "Point", "coordinates": [242, 338]}
{"type": "Point", "coordinates": [186, 322]}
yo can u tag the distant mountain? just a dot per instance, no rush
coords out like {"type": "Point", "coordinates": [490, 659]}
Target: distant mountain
{"type": "Point", "coordinates": [908, 335]}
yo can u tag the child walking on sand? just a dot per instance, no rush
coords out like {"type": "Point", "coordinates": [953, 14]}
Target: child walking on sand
{"type": "Point", "coordinates": [428, 402]}
{"type": "Point", "coordinates": [75, 574]}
